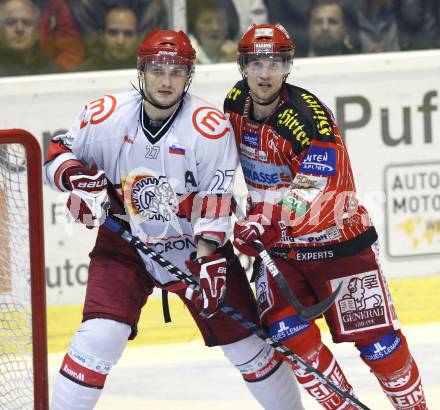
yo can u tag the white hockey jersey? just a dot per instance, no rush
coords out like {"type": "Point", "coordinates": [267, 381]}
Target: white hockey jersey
{"type": "Point", "coordinates": [154, 174]}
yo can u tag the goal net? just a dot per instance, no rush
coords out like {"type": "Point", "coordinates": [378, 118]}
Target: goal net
{"type": "Point", "coordinates": [23, 351]}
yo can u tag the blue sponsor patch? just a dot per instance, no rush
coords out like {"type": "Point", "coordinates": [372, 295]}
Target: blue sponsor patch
{"type": "Point", "coordinates": [382, 348]}
{"type": "Point", "coordinates": [264, 173]}
{"type": "Point", "coordinates": [319, 161]}
{"type": "Point", "coordinates": [261, 177]}
{"type": "Point", "coordinates": [287, 328]}
{"type": "Point", "coordinates": [251, 139]}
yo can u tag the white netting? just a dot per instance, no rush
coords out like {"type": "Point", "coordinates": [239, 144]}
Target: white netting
{"type": "Point", "coordinates": [16, 367]}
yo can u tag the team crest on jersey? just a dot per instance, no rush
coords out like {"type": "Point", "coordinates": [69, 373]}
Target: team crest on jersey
{"type": "Point", "coordinates": [271, 144]}
{"type": "Point", "coordinates": [152, 197]}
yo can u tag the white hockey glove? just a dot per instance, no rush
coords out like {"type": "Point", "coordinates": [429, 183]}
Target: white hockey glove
{"type": "Point", "coordinates": [88, 202]}
{"type": "Point", "coordinates": [212, 273]}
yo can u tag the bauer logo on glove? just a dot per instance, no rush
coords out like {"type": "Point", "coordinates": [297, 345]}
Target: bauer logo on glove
{"type": "Point", "coordinates": [88, 202]}
{"type": "Point", "coordinates": [212, 273]}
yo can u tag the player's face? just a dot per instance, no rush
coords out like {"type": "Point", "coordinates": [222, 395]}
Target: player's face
{"type": "Point", "coordinates": [265, 77]}
{"type": "Point", "coordinates": [165, 83]}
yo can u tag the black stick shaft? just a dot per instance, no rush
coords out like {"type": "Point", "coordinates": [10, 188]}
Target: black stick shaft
{"type": "Point", "coordinates": [116, 227]}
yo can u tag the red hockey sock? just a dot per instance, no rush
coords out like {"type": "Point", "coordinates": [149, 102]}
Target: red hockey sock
{"type": "Point", "coordinates": [306, 343]}
{"type": "Point", "coordinates": [322, 359]}
{"type": "Point", "coordinates": [397, 374]}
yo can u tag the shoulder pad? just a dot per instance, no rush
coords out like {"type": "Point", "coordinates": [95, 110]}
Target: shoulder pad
{"type": "Point", "coordinates": [319, 116]}
{"type": "Point", "coordinates": [236, 98]}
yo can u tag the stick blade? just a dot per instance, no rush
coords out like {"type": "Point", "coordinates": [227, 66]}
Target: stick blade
{"type": "Point", "coordinates": [311, 312]}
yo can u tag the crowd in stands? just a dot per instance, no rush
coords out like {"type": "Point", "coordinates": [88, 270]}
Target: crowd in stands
{"type": "Point", "coordinates": [50, 36]}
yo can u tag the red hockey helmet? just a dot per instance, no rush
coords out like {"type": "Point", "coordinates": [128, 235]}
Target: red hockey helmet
{"type": "Point", "coordinates": [166, 46]}
{"type": "Point", "coordinates": [266, 40]}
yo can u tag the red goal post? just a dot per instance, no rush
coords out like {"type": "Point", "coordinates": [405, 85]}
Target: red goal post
{"type": "Point", "coordinates": [23, 335]}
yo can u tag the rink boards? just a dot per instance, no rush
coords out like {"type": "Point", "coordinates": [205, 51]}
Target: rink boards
{"type": "Point", "coordinates": [416, 300]}
{"type": "Point", "coordinates": [386, 105]}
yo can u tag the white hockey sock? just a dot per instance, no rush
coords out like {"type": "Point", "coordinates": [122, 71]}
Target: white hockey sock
{"type": "Point", "coordinates": [270, 380]}
{"type": "Point", "coordinates": [69, 395]}
{"type": "Point", "coordinates": [279, 391]}
{"type": "Point", "coordinates": [96, 346]}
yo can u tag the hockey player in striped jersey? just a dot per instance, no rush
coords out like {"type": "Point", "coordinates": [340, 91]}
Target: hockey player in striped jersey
{"type": "Point", "coordinates": [303, 207]}
{"type": "Point", "coordinates": [151, 154]}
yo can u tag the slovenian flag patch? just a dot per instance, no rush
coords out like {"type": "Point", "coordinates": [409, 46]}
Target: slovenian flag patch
{"type": "Point", "coordinates": [174, 149]}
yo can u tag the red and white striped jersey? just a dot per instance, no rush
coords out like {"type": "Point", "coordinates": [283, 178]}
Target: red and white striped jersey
{"type": "Point", "coordinates": [156, 177]}
{"type": "Point", "coordinates": [296, 158]}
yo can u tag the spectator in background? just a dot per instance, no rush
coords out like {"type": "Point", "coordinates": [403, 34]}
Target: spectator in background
{"type": "Point", "coordinates": [247, 12]}
{"type": "Point", "coordinates": [250, 12]}
{"type": "Point", "coordinates": [90, 17]}
{"type": "Point", "coordinates": [118, 42]}
{"type": "Point", "coordinates": [60, 38]}
{"type": "Point", "coordinates": [378, 29]}
{"type": "Point", "coordinates": [418, 26]}
{"type": "Point", "coordinates": [213, 25]}
{"type": "Point", "coordinates": [20, 52]}
{"type": "Point", "coordinates": [292, 14]}
{"type": "Point", "coordinates": [328, 30]}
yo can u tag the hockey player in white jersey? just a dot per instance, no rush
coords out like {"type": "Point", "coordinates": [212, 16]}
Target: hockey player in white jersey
{"type": "Point", "coordinates": [151, 155]}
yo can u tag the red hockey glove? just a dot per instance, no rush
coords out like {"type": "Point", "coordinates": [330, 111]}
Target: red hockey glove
{"type": "Point", "coordinates": [212, 273]}
{"type": "Point", "coordinates": [263, 223]}
{"type": "Point", "coordinates": [88, 202]}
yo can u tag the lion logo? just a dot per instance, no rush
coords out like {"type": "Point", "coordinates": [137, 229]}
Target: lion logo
{"type": "Point", "coordinates": [357, 288]}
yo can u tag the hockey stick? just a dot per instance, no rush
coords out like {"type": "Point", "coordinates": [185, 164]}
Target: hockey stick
{"type": "Point", "coordinates": [116, 227]}
{"type": "Point", "coordinates": [304, 312]}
